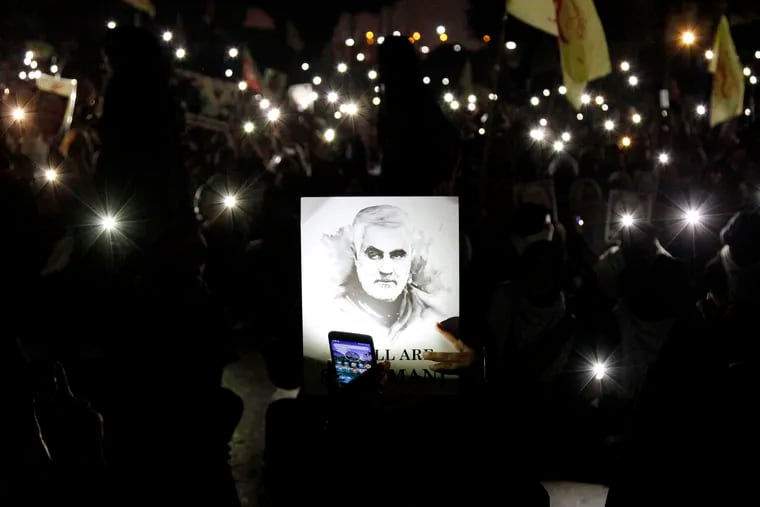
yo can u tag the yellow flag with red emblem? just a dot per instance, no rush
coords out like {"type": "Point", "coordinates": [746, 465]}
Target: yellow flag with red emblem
{"type": "Point", "coordinates": [727, 99]}
{"type": "Point", "coordinates": [582, 46]}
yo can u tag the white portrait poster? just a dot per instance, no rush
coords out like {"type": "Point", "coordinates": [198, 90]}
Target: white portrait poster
{"type": "Point", "coordinates": [387, 267]}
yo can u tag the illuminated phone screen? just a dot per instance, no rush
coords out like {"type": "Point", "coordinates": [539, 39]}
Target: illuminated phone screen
{"type": "Point", "coordinates": [351, 359]}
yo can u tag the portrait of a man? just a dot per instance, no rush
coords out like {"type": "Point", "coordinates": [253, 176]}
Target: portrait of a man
{"type": "Point", "coordinates": [384, 267]}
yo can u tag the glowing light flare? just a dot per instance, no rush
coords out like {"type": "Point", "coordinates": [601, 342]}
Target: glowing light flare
{"type": "Point", "coordinates": [534, 101]}
{"type": "Point", "coordinates": [264, 104]}
{"type": "Point", "coordinates": [701, 110]}
{"type": "Point", "coordinates": [426, 80]}
{"type": "Point", "coordinates": [625, 66]}
{"type": "Point", "coordinates": [51, 175]}
{"type": "Point", "coordinates": [305, 66]}
{"type": "Point", "coordinates": [230, 201]}
{"type": "Point", "coordinates": [248, 127]}
{"type": "Point", "coordinates": [471, 106]}
{"type": "Point", "coordinates": [558, 146]}
{"type": "Point", "coordinates": [599, 370]}
{"type": "Point", "coordinates": [537, 134]}
{"type": "Point", "coordinates": [111, 24]}
{"type": "Point", "coordinates": [350, 42]}
{"type": "Point", "coordinates": [29, 55]}
{"type": "Point", "coordinates": [688, 37]}
{"type": "Point", "coordinates": [233, 52]}
{"type": "Point", "coordinates": [167, 36]}
{"type": "Point", "coordinates": [546, 92]}
{"type": "Point", "coordinates": [633, 81]}
{"type": "Point", "coordinates": [376, 101]}
{"type": "Point", "coordinates": [228, 73]}
{"type": "Point", "coordinates": [636, 118]}
{"type": "Point", "coordinates": [753, 80]}
{"type": "Point", "coordinates": [579, 116]}
{"type": "Point", "coordinates": [440, 29]}
{"type": "Point", "coordinates": [416, 36]}
{"type": "Point", "coordinates": [454, 105]}
{"type": "Point", "coordinates": [609, 125]}
{"type": "Point", "coordinates": [316, 80]}
{"type": "Point", "coordinates": [18, 114]}
{"type": "Point", "coordinates": [273, 114]}
{"type": "Point", "coordinates": [566, 137]}
{"type": "Point", "coordinates": [425, 50]}
{"type": "Point", "coordinates": [543, 122]}
{"type": "Point", "coordinates": [329, 135]}
{"type": "Point", "coordinates": [360, 57]}
{"type": "Point", "coordinates": [511, 45]}
{"type": "Point", "coordinates": [457, 48]}
{"type": "Point", "coordinates": [471, 98]}
{"type": "Point", "coordinates": [663, 158]}
{"type": "Point", "coordinates": [349, 108]}
{"type": "Point", "coordinates": [586, 99]}
{"type": "Point", "coordinates": [627, 220]}
{"type": "Point", "coordinates": [108, 223]}
{"type": "Point", "coordinates": [692, 217]}
{"type": "Point", "coordinates": [242, 86]}
{"type": "Point", "coordinates": [372, 75]}
{"type": "Point", "coordinates": [180, 53]}
{"type": "Point", "coordinates": [369, 35]}
{"type": "Point", "coordinates": [443, 37]}
{"type": "Point", "coordinates": [332, 97]}
{"type": "Point", "coordinates": [626, 142]}
{"type": "Point", "coordinates": [342, 67]}
{"type": "Point", "coordinates": [380, 39]}
{"type": "Point", "coordinates": [746, 71]}
{"type": "Point", "coordinates": [445, 81]}
{"type": "Point", "coordinates": [605, 107]}
{"type": "Point", "coordinates": [448, 97]}
{"type": "Point", "coordinates": [486, 38]}
{"type": "Point", "coordinates": [709, 54]}
{"type": "Point", "coordinates": [482, 131]}
{"type": "Point", "coordinates": [562, 90]}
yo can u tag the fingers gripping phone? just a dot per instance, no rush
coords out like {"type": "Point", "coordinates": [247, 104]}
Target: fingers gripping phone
{"type": "Point", "coordinates": [352, 354]}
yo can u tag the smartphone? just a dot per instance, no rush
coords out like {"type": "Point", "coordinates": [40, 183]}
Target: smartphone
{"type": "Point", "coordinates": [352, 354]}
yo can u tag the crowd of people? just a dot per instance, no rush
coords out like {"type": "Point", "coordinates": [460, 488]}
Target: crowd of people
{"type": "Point", "coordinates": [128, 274]}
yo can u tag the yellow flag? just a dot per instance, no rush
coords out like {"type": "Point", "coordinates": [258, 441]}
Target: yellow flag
{"type": "Point", "coordinates": [582, 45]}
{"type": "Point", "coordinates": [143, 5]}
{"type": "Point", "coordinates": [537, 13]}
{"type": "Point", "coordinates": [727, 99]}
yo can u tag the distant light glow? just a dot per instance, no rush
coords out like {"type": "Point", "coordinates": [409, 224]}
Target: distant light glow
{"type": "Point", "coordinates": [537, 134]}
{"type": "Point", "coordinates": [350, 42]}
{"type": "Point", "coordinates": [51, 175]}
{"type": "Point", "coordinates": [316, 80]}
{"type": "Point", "coordinates": [626, 142]}
{"type": "Point", "coordinates": [264, 104]}
{"type": "Point", "coordinates": [273, 114]}
{"type": "Point", "coordinates": [627, 220]}
{"type": "Point", "coordinates": [534, 101]}
{"type": "Point", "coordinates": [609, 125]}
{"type": "Point", "coordinates": [599, 370]}
{"type": "Point", "coordinates": [562, 90]}
{"type": "Point", "coordinates": [425, 50]}
{"type": "Point", "coordinates": [416, 36]}
{"type": "Point", "coordinates": [375, 101]}
{"type": "Point", "coordinates": [230, 201]}
{"type": "Point", "coordinates": [566, 137]}
{"type": "Point", "coordinates": [709, 55]}
{"type": "Point", "coordinates": [546, 92]}
{"type": "Point", "coordinates": [471, 98]}
{"type": "Point", "coordinates": [29, 55]}
{"type": "Point", "coordinates": [396, 33]}
{"type": "Point", "coordinates": [426, 79]}
{"type": "Point", "coordinates": [337, 115]}
{"type": "Point", "coordinates": [443, 37]}
{"type": "Point", "coordinates": [232, 52]}
{"type": "Point", "coordinates": [180, 53]}
{"type": "Point", "coordinates": [579, 116]}
{"type": "Point", "coordinates": [342, 67]}
{"type": "Point", "coordinates": [748, 112]}
{"type": "Point", "coordinates": [440, 29]}
{"type": "Point", "coordinates": [663, 158]}
{"type": "Point", "coordinates": [329, 135]}
{"type": "Point", "coordinates": [633, 81]}
{"type": "Point", "coordinates": [448, 97]}
{"type": "Point", "coordinates": [305, 66]}
{"type": "Point", "coordinates": [636, 118]}
{"type": "Point", "coordinates": [372, 75]}
{"type": "Point", "coordinates": [471, 106]}
{"type": "Point", "coordinates": [692, 217]}
{"type": "Point", "coordinates": [586, 99]}
{"type": "Point", "coordinates": [688, 37]}
{"type": "Point", "coordinates": [701, 110]}
{"type": "Point", "coordinates": [757, 55]}
{"type": "Point", "coordinates": [625, 66]}
{"type": "Point", "coordinates": [753, 80]}
{"type": "Point", "coordinates": [457, 48]}
{"type": "Point", "coordinates": [445, 81]}
{"type": "Point", "coordinates": [747, 71]}
{"type": "Point", "coordinates": [33, 64]}
{"type": "Point", "coordinates": [380, 39]}
{"type": "Point", "coordinates": [605, 107]}
{"type": "Point", "coordinates": [332, 97]}
{"type": "Point", "coordinates": [360, 57]}
{"type": "Point", "coordinates": [369, 35]}
{"type": "Point", "coordinates": [511, 45]}
{"type": "Point", "coordinates": [111, 24]}
{"type": "Point", "coordinates": [543, 122]}
{"type": "Point", "coordinates": [599, 100]}
{"type": "Point", "coordinates": [167, 36]}
{"type": "Point", "coordinates": [351, 109]}
{"type": "Point", "coordinates": [482, 131]}
{"type": "Point", "coordinates": [18, 114]}
{"type": "Point", "coordinates": [242, 86]}
{"type": "Point", "coordinates": [493, 96]}
{"type": "Point", "coordinates": [108, 223]}
{"type": "Point", "coordinates": [558, 146]}
{"type": "Point", "coordinates": [228, 73]}
{"type": "Point", "coordinates": [248, 127]}
{"type": "Point", "coordinates": [22, 75]}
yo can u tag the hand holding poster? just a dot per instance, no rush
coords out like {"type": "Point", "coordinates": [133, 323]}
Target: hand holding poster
{"type": "Point", "coordinates": [387, 267]}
